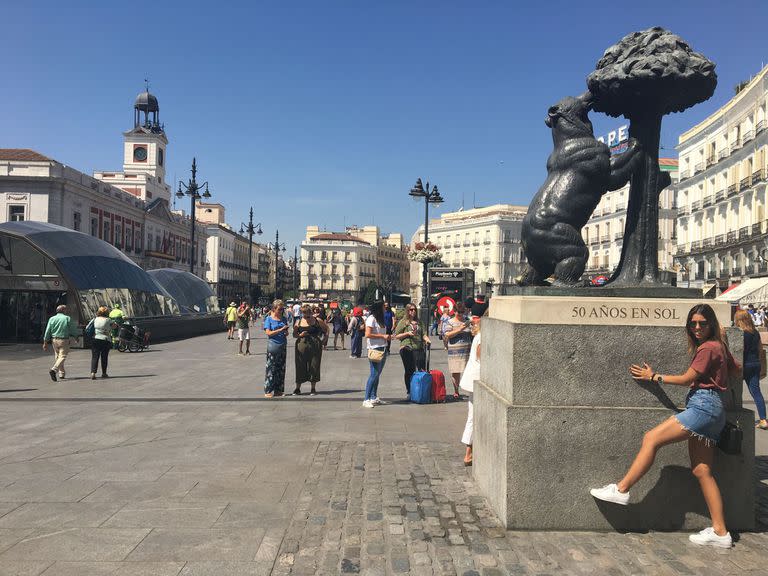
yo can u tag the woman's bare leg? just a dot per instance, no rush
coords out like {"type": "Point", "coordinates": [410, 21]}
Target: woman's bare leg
{"type": "Point", "coordinates": [702, 457]}
{"type": "Point", "coordinates": [665, 433]}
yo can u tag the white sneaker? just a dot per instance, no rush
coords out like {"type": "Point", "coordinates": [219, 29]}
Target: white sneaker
{"type": "Point", "coordinates": [377, 402]}
{"type": "Point", "coordinates": [610, 493]}
{"type": "Point", "coordinates": [708, 537]}
{"type": "Point", "coordinates": [368, 404]}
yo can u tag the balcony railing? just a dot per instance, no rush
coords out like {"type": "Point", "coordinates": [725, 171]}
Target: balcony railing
{"type": "Point", "coordinates": [756, 228]}
{"type": "Point", "coordinates": [699, 167]}
{"type": "Point", "coordinates": [706, 243]}
{"type": "Point", "coordinates": [758, 176]}
{"type": "Point", "coordinates": [732, 236]}
{"type": "Point", "coordinates": [708, 201]}
{"type": "Point", "coordinates": [733, 189]}
{"type": "Point", "coordinates": [748, 135]}
{"type": "Point", "coordinates": [685, 174]}
{"type": "Point", "coordinates": [594, 240]}
{"type": "Point", "coordinates": [711, 160]}
{"type": "Point", "coordinates": [719, 239]}
{"type": "Point", "coordinates": [695, 205]}
{"type": "Point", "coordinates": [744, 183]}
{"type": "Point", "coordinates": [760, 127]}
{"type": "Point", "coordinates": [695, 245]}
{"type": "Point", "coordinates": [486, 261]}
{"type": "Point", "coordinates": [684, 210]}
{"type": "Point", "coordinates": [618, 235]}
{"type": "Point", "coordinates": [735, 145]}
{"type": "Point", "coordinates": [605, 238]}
{"type": "Point", "coordinates": [681, 249]}
{"type": "Point", "coordinates": [720, 195]}
{"type": "Point", "coordinates": [744, 232]}
{"type": "Point", "coordinates": [722, 154]}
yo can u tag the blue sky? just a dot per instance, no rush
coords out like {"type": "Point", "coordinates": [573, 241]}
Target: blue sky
{"type": "Point", "coordinates": [326, 112]}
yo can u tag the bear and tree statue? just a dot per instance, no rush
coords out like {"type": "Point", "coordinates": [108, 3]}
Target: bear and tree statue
{"type": "Point", "coordinates": [643, 77]}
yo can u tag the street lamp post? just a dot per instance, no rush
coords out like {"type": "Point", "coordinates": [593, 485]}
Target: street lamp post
{"type": "Point", "coordinates": [251, 229]}
{"type": "Point", "coordinates": [431, 196]}
{"type": "Point", "coordinates": [192, 189]}
{"type": "Point", "coordinates": [277, 246]}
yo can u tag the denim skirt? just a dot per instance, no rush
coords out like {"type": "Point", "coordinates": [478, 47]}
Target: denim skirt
{"type": "Point", "coordinates": [704, 415]}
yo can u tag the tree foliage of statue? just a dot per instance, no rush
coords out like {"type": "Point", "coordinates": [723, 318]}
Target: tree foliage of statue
{"type": "Point", "coordinates": [643, 77]}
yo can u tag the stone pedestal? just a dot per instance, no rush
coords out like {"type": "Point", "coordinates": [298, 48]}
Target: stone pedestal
{"type": "Point", "coordinates": [557, 413]}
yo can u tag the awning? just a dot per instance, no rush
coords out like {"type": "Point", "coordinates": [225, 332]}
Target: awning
{"type": "Point", "coordinates": [753, 291]}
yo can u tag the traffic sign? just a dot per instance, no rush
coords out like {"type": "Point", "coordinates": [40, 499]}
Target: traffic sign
{"type": "Point", "coordinates": [446, 304]}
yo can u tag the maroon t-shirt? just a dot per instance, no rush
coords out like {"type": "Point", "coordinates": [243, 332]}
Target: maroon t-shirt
{"type": "Point", "coordinates": [711, 362]}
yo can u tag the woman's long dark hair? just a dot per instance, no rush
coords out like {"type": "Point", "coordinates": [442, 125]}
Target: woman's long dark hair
{"type": "Point", "coordinates": [715, 333]}
{"type": "Point", "coordinates": [377, 310]}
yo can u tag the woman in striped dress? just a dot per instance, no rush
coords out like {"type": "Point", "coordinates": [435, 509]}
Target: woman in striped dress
{"type": "Point", "coordinates": [459, 338]}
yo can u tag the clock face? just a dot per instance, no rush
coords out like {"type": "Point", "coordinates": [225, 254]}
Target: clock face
{"type": "Point", "coordinates": [140, 153]}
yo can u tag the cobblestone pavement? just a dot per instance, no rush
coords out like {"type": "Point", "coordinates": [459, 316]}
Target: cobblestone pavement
{"type": "Point", "coordinates": [178, 466]}
{"type": "Point", "coordinates": [411, 508]}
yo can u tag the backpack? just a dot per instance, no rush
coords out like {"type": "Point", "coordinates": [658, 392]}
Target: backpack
{"type": "Point", "coordinates": [360, 324]}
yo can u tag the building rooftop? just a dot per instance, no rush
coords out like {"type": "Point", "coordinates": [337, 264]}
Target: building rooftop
{"type": "Point", "coordinates": [339, 236]}
{"type": "Point", "coordinates": [23, 154]}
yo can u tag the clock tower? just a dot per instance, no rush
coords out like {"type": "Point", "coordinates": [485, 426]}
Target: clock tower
{"type": "Point", "coordinates": [145, 145]}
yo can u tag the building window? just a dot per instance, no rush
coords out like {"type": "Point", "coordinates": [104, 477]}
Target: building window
{"type": "Point", "coordinates": [105, 233]}
{"type": "Point", "coordinates": [94, 227]}
{"type": "Point", "coordinates": [77, 219]}
{"type": "Point", "coordinates": [160, 155]}
{"type": "Point", "coordinates": [118, 232]}
{"type": "Point", "coordinates": [16, 213]}
{"type": "Point", "coordinates": [129, 239]}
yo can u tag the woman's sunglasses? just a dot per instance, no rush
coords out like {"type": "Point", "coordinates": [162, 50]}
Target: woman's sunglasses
{"type": "Point", "coordinates": [693, 323]}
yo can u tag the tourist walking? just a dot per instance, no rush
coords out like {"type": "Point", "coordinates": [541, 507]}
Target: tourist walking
{"type": "Point", "coordinates": [243, 328]}
{"type": "Point", "coordinates": [230, 317]}
{"type": "Point", "coordinates": [356, 332]}
{"type": "Point", "coordinates": [58, 331]}
{"type": "Point", "coordinates": [101, 327]}
{"type": "Point", "coordinates": [339, 324]}
{"type": "Point", "coordinates": [319, 313]}
{"type": "Point", "coordinates": [376, 343]}
{"type": "Point", "coordinates": [276, 327]}
{"type": "Point", "coordinates": [309, 333]}
{"type": "Point", "coordinates": [413, 341]}
{"type": "Point", "coordinates": [751, 362]}
{"type": "Point", "coordinates": [458, 339]}
{"type": "Point", "coordinates": [467, 383]}
{"type": "Point", "coordinates": [700, 423]}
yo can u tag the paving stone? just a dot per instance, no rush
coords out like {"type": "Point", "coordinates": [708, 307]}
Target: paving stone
{"type": "Point", "coordinates": [400, 564]}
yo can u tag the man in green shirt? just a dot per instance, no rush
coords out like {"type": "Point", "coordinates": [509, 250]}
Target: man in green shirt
{"type": "Point", "coordinates": [243, 328]}
{"type": "Point", "coordinates": [230, 317]}
{"type": "Point", "coordinates": [59, 330]}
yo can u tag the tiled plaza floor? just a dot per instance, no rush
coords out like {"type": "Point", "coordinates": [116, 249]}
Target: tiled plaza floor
{"type": "Point", "coordinates": [178, 465]}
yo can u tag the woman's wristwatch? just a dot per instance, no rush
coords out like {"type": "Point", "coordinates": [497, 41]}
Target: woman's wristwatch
{"type": "Point", "coordinates": [659, 381]}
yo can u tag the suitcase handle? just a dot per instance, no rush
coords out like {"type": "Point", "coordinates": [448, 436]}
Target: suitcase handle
{"type": "Point", "coordinates": [429, 349]}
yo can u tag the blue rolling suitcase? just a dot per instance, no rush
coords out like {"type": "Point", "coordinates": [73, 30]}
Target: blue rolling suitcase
{"type": "Point", "coordinates": [421, 386]}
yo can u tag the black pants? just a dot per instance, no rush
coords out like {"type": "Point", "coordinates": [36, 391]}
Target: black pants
{"type": "Point", "coordinates": [412, 360]}
{"type": "Point", "coordinates": [100, 349]}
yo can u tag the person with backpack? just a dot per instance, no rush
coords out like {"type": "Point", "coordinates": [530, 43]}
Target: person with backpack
{"type": "Point", "coordinates": [752, 363]}
{"type": "Point", "coordinates": [700, 424]}
{"type": "Point", "coordinates": [356, 332]}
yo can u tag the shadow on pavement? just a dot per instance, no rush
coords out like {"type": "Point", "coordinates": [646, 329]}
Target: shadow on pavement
{"type": "Point", "coordinates": [18, 390]}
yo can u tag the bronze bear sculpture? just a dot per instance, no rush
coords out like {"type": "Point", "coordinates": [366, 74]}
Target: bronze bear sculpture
{"type": "Point", "coordinates": [580, 170]}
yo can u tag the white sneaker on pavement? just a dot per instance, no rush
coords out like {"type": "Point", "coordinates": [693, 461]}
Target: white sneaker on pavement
{"type": "Point", "coordinates": [610, 493]}
{"type": "Point", "coordinates": [377, 402]}
{"type": "Point", "coordinates": [708, 537]}
{"type": "Point", "coordinates": [368, 404]}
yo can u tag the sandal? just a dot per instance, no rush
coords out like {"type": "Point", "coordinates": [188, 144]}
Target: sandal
{"type": "Point", "coordinates": [762, 424]}
{"type": "Point", "coordinates": [269, 395]}
{"type": "Point", "coordinates": [456, 396]}
{"type": "Point", "coordinates": [468, 462]}
{"type": "Point", "coordinates": [297, 392]}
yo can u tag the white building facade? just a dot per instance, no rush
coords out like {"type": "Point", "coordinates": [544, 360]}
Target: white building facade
{"type": "Point", "coordinates": [722, 227]}
{"type": "Point", "coordinates": [136, 220]}
{"type": "Point", "coordinates": [486, 240]}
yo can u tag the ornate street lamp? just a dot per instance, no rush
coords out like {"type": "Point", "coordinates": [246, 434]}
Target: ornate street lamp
{"type": "Point", "coordinates": [430, 196]}
{"type": "Point", "coordinates": [192, 189]}
{"type": "Point", "coordinates": [277, 247]}
{"type": "Point", "coordinates": [251, 229]}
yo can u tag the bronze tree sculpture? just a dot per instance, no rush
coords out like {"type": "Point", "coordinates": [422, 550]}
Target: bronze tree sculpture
{"type": "Point", "coordinates": [643, 77]}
